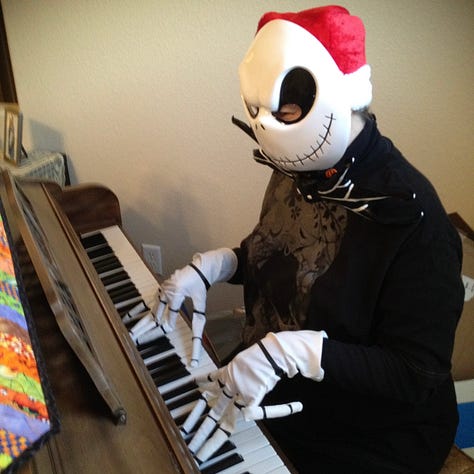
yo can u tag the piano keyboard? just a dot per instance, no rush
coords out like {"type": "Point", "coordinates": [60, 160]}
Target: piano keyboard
{"type": "Point", "coordinates": [129, 283]}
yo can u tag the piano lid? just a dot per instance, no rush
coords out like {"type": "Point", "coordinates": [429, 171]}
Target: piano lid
{"type": "Point", "coordinates": [59, 297]}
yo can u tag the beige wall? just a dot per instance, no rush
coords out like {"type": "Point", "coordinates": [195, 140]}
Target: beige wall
{"type": "Point", "coordinates": [139, 94]}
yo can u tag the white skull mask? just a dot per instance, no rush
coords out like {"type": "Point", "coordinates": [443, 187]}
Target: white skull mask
{"type": "Point", "coordinates": [286, 64]}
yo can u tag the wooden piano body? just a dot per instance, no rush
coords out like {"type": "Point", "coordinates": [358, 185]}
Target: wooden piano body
{"type": "Point", "coordinates": [90, 441]}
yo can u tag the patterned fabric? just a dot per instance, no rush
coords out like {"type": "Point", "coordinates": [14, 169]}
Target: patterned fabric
{"type": "Point", "coordinates": [11, 445]}
{"type": "Point", "coordinates": [24, 414]}
{"type": "Point", "coordinates": [303, 238]}
{"type": "Point", "coordinates": [40, 164]}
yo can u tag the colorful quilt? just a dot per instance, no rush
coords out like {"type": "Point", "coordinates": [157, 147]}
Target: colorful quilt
{"type": "Point", "coordinates": [25, 406]}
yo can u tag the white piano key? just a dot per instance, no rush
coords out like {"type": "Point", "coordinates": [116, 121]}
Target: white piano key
{"type": "Point", "coordinates": [247, 442]}
{"type": "Point", "coordinates": [110, 272]}
{"type": "Point", "coordinates": [135, 299]}
{"type": "Point", "coordinates": [112, 286]}
{"type": "Point", "coordinates": [242, 435]}
{"type": "Point", "coordinates": [160, 356]}
{"type": "Point", "coordinates": [280, 470]}
{"type": "Point", "coordinates": [259, 461]}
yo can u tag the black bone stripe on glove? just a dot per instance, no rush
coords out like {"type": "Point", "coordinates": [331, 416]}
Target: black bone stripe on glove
{"type": "Point", "coordinates": [235, 391]}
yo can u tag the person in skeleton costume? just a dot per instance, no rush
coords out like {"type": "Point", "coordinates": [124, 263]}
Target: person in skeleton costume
{"type": "Point", "coordinates": [351, 277]}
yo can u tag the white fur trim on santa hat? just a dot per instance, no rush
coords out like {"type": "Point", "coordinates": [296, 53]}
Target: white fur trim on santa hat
{"type": "Point", "coordinates": [359, 88]}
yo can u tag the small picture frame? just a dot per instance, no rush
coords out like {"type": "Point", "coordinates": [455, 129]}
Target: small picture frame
{"type": "Point", "coordinates": [12, 146]}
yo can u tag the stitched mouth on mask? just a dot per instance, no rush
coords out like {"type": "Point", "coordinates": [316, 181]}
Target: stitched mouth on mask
{"type": "Point", "coordinates": [314, 154]}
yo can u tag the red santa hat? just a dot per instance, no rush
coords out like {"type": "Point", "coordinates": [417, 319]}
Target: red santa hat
{"type": "Point", "coordinates": [343, 36]}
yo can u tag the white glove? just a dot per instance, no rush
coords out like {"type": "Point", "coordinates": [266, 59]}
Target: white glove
{"type": "Point", "coordinates": [238, 388]}
{"type": "Point", "coordinates": [192, 281]}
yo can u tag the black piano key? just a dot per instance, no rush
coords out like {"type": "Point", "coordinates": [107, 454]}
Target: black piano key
{"type": "Point", "coordinates": [179, 420]}
{"type": "Point", "coordinates": [225, 448]}
{"type": "Point", "coordinates": [125, 296]}
{"type": "Point", "coordinates": [106, 260]}
{"type": "Point", "coordinates": [188, 387]}
{"type": "Point", "coordinates": [158, 340]}
{"type": "Point", "coordinates": [225, 463]}
{"type": "Point", "coordinates": [93, 240]}
{"type": "Point", "coordinates": [116, 277]}
{"type": "Point", "coordinates": [162, 372]}
{"type": "Point", "coordinates": [107, 265]}
{"type": "Point", "coordinates": [162, 344]}
{"type": "Point", "coordinates": [171, 376]}
{"type": "Point", "coordinates": [100, 252]}
{"type": "Point", "coordinates": [129, 324]}
{"type": "Point", "coordinates": [190, 397]}
{"type": "Point", "coordinates": [122, 300]}
{"type": "Point", "coordinates": [106, 268]}
{"type": "Point", "coordinates": [124, 288]}
{"type": "Point", "coordinates": [169, 361]}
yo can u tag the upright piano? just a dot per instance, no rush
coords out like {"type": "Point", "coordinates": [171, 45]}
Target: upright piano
{"type": "Point", "coordinates": [119, 406]}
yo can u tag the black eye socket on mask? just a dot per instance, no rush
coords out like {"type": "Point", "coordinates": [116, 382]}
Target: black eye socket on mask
{"type": "Point", "coordinates": [298, 87]}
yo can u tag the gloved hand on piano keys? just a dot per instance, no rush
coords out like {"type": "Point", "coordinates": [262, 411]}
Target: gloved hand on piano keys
{"type": "Point", "coordinates": [236, 390]}
{"type": "Point", "coordinates": [191, 281]}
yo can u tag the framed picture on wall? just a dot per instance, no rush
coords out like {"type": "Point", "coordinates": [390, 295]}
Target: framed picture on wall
{"type": "Point", "coordinates": [12, 149]}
